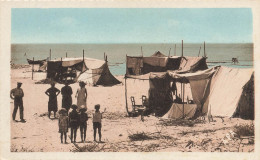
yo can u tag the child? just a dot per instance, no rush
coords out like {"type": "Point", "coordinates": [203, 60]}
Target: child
{"type": "Point", "coordinates": [97, 116]}
{"type": "Point", "coordinates": [63, 124]}
{"type": "Point", "coordinates": [82, 95]}
{"type": "Point", "coordinates": [74, 122]}
{"type": "Point", "coordinates": [83, 123]}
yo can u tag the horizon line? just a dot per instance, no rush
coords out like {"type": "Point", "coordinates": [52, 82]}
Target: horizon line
{"type": "Point", "coordinates": [148, 43]}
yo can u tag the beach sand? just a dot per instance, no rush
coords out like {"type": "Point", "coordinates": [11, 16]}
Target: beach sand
{"type": "Point", "coordinates": [40, 134]}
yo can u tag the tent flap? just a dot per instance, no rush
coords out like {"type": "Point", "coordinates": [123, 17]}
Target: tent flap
{"type": "Point", "coordinates": [176, 111]}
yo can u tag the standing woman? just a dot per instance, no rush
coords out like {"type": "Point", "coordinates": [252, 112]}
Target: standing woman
{"type": "Point", "coordinates": [81, 96]}
{"type": "Point", "coordinates": [52, 92]}
{"type": "Point", "coordinates": [66, 93]}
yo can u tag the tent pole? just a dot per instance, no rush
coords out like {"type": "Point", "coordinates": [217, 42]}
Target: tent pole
{"type": "Point", "coordinates": [126, 105]}
{"type": "Point", "coordinates": [61, 68]}
{"type": "Point", "coordinates": [175, 50]}
{"type": "Point", "coordinates": [66, 55]}
{"type": "Point", "coordinates": [104, 56]}
{"type": "Point", "coordinates": [83, 54]}
{"type": "Point", "coordinates": [183, 100]}
{"type": "Point", "coordinates": [50, 54]}
{"type": "Point", "coordinates": [169, 52]}
{"type": "Point", "coordinates": [182, 48]}
{"type": "Point", "coordinates": [204, 49]}
{"type": "Point", "coordinates": [142, 51]}
{"type": "Point", "coordinates": [199, 52]}
{"type": "Point", "coordinates": [126, 63]}
{"type": "Point", "coordinates": [181, 94]}
{"type": "Point", "coordinates": [32, 68]}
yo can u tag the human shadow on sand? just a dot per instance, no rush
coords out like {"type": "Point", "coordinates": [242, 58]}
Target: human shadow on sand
{"type": "Point", "coordinates": [21, 121]}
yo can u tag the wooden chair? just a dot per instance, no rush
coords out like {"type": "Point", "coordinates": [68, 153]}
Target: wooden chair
{"type": "Point", "coordinates": [139, 109]}
{"type": "Point", "coordinates": [144, 101]}
{"type": "Point", "coordinates": [134, 106]}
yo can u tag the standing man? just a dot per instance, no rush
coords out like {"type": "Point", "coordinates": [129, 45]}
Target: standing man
{"type": "Point", "coordinates": [17, 95]}
{"type": "Point", "coordinates": [66, 93]}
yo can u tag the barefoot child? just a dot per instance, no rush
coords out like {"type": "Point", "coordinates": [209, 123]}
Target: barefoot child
{"type": "Point", "coordinates": [97, 116]}
{"type": "Point", "coordinates": [74, 122]}
{"type": "Point", "coordinates": [83, 123]}
{"type": "Point", "coordinates": [63, 124]}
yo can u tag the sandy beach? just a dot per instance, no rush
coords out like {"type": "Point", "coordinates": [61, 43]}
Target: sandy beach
{"type": "Point", "coordinates": [119, 132]}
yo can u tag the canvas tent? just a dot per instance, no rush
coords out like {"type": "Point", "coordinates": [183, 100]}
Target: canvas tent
{"type": "Point", "coordinates": [162, 99]}
{"type": "Point", "coordinates": [158, 54]}
{"type": "Point", "coordinates": [222, 91]}
{"type": "Point", "coordinates": [231, 93]}
{"type": "Point", "coordinates": [161, 63]}
{"type": "Point", "coordinates": [91, 71]}
{"type": "Point", "coordinates": [141, 67]}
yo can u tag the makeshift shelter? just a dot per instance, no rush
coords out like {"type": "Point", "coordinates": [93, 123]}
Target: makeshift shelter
{"type": "Point", "coordinates": [42, 63]}
{"type": "Point", "coordinates": [141, 67]}
{"type": "Point", "coordinates": [169, 99]}
{"type": "Point", "coordinates": [160, 63]}
{"type": "Point", "coordinates": [91, 71]}
{"type": "Point", "coordinates": [218, 91]}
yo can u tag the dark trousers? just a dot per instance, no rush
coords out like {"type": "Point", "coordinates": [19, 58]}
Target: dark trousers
{"type": "Point", "coordinates": [65, 136]}
{"type": "Point", "coordinates": [73, 134]}
{"type": "Point", "coordinates": [97, 125]}
{"type": "Point", "coordinates": [18, 103]}
{"type": "Point", "coordinates": [83, 129]}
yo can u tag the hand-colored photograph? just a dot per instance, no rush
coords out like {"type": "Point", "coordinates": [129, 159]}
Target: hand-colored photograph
{"type": "Point", "coordinates": [132, 80]}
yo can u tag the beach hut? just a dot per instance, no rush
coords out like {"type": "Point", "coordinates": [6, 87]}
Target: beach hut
{"type": "Point", "coordinates": [219, 91]}
{"type": "Point", "coordinates": [89, 70]}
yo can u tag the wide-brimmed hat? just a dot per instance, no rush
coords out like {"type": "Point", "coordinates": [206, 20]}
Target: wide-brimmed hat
{"type": "Point", "coordinates": [74, 106]}
{"type": "Point", "coordinates": [83, 109]}
{"type": "Point", "coordinates": [63, 110]}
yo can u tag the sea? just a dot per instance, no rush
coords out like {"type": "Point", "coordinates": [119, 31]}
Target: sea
{"type": "Point", "coordinates": [218, 54]}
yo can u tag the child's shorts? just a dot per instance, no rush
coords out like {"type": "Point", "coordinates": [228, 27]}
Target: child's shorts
{"type": "Point", "coordinates": [96, 125]}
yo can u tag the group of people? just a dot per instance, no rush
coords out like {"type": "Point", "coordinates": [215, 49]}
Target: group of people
{"type": "Point", "coordinates": [75, 119]}
{"type": "Point", "coordinates": [66, 93]}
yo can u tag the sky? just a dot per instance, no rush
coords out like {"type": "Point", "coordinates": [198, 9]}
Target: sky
{"type": "Point", "coordinates": [131, 25]}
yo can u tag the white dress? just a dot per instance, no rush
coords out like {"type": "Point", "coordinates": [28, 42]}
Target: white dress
{"type": "Point", "coordinates": [82, 99]}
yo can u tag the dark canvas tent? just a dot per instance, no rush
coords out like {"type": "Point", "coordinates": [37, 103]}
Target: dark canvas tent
{"type": "Point", "coordinates": [91, 71]}
{"type": "Point", "coordinates": [222, 91]}
{"type": "Point", "coordinates": [159, 63]}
